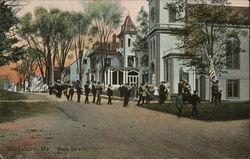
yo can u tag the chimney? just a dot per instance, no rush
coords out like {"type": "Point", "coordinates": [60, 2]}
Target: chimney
{"type": "Point", "coordinates": [114, 38]}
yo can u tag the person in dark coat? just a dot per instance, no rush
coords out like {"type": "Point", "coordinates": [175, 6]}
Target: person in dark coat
{"type": "Point", "coordinates": [180, 87]}
{"type": "Point", "coordinates": [140, 94]}
{"type": "Point", "coordinates": [162, 92]}
{"type": "Point", "coordinates": [218, 97]}
{"type": "Point", "coordinates": [194, 101]}
{"type": "Point", "coordinates": [71, 93]}
{"type": "Point", "coordinates": [109, 94]}
{"type": "Point", "coordinates": [94, 91]}
{"type": "Point", "coordinates": [87, 91]}
{"type": "Point", "coordinates": [126, 93]}
{"type": "Point", "coordinates": [179, 104]}
{"type": "Point", "coordinates": [79, 92]}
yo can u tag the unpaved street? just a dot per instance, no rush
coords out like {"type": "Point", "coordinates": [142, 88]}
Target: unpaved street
{"type": "Point", "coordinates": [89, 131]}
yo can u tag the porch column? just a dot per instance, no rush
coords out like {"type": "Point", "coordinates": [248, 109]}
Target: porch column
{"type": "Point", "coordinates": [111, 77]}
{"type": "Point", "coordinates": [118, 77]}
{"type": "Point", "coordinates": [108, 76]}
{"type": "Point", "coordinates": [124, 77]}
{"type": "Point", "coordinates": [105, 78]}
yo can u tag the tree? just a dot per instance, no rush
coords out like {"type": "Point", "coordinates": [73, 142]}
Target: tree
{"type": "Point", "coordinates": [51, 33]}
{"type": "Point", "coordinates": [206, 28]}
{"type": "Point", "coordinates": [8, 21]}
{"type": "Point", "coordinates": [83, 35]}
{"type": "Point", "coordinates": [106, 17]}
{"type": "Point", "coordinates": [64, 33]}
{"type": "Point", "coordinates": [27, 67]}
{"type": "Point", "coordinates": [141, 43]}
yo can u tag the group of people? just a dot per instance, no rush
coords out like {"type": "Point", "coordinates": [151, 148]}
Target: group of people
{"type": "Point", "coordinates": [184, 96]}
{"type": "Point", "coordinates": [147, 93]}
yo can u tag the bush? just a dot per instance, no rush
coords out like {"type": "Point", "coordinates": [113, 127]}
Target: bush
{"type": "Point", "coordinates": [208, 112]}
{"type": "Point", "coordinates": [116, 92]}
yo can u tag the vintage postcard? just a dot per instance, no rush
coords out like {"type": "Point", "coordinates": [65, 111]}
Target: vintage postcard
{"type": "Point", "coordinates": [124, 79]}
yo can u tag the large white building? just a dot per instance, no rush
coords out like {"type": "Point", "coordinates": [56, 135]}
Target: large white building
{"type": "Point", "coordinates": [165, 66]}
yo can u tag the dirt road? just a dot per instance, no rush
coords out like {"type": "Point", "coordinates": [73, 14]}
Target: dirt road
{"type": "Point", "coordinates": [89, 131]}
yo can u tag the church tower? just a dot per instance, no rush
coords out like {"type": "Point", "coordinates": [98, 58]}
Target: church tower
{"type": "Point", "coordinates": [164, 64]}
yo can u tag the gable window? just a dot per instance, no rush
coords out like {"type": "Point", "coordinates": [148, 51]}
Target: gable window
{"type": "Point", "coordinates": [232, 53]}
{"type": "Point", "coordinates": [131, 61]}
{"type": "Point", "coordinates": [108, 62]}
{"type": "Point", "coordinates": [129, 42]}
{"type": "Point", "coordinates": [172, 13]}
{"type": "Point", "coordinates": [233, 88]}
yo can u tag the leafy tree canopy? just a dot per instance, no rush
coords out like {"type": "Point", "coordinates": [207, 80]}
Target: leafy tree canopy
{"type": "Point", "coordinates": [8, 20]}
{"type": "Point", "coordinates": [205, 31]}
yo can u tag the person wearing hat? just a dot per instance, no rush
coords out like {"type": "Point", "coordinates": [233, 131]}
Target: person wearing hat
{"type": "Point", "coordinates": [126, 93]}
{"type": "Point", "coordinates": [179, 104]}
{"type": "Point", "coordinates": [93, 89]}
{"type": "Point", "coordinates": [194, 101]}
{"type": "Point", "coordinates": [162, 92]}
{"type": "Point", "coordinates": [109, 94]}
{"type": "Point", "coordinates": [87, 91]}
{"type": "Point", "coordinates": [140, 94]}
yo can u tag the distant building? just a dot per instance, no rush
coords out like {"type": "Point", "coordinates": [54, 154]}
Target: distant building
{"type": "Point", "coordinates": [120, 60]}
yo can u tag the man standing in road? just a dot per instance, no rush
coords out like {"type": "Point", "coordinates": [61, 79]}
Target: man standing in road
{"type": "Point", "coordinates": [194, 101]}
{"type": "Point", "coordinates": [140, 94]}
{"type": "Point", "coordinates": [126, 93]}
{"type": "Point", "coordinates": [162, 92]}
{"type": "Point", "coordinates": [79, 92]}
{"type": "Point", "coordinates": [109, 94]}
{"type": "Point", "coordinates": [87, 91]}
{"type": "Point", "coordinates": [94, 91]}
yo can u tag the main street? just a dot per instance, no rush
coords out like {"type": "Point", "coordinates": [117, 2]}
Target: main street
{"type": "Point", "coordinates": [89, 131]}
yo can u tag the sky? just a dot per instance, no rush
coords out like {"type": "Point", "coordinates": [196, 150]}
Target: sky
{"type": "Point", "coordinates": [132, 7]}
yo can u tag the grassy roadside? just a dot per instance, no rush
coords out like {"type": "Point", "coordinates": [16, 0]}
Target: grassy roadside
{"type": "Point", "coordinates": [10, 111]}
{"type": "Point", "coordinates": [207, 112]}
{"type": "Point", "coordinates": [6, 95]}
{"type": "Point", "coordinates": [13, 111]}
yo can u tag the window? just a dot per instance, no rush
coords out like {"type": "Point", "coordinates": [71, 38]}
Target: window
{"type": "Point", "coordinates": [166, 71]}
{"type": "Point", "coordinates": [121, 43]}
{"type": "Point", "coordinates": [233, 88]}
{"type": "Point", "coordinates": [114, 76]}
{"type": "Point", "coordinates": [153, 50]}
{"type": "Point", "coordinates": [232, 52]}
{"type": "Point", "coordinates": [108, 62]}
{"type": "Point", "coordinates": [172, 13]}
{"type": "Point", "coordinates": [77, 70]}
{"type": "Point", "coordinates": [129, 42]}
{"type": "Point", "coordinates": [109, 46]}
{"type": "Point", "coordinates": [131, 61]}
{"type": "Point", "coordinates": [85, 61]}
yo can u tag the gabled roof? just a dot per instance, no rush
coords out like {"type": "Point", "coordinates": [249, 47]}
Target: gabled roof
{"type": "Point", "coordinates": [127, 26]}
